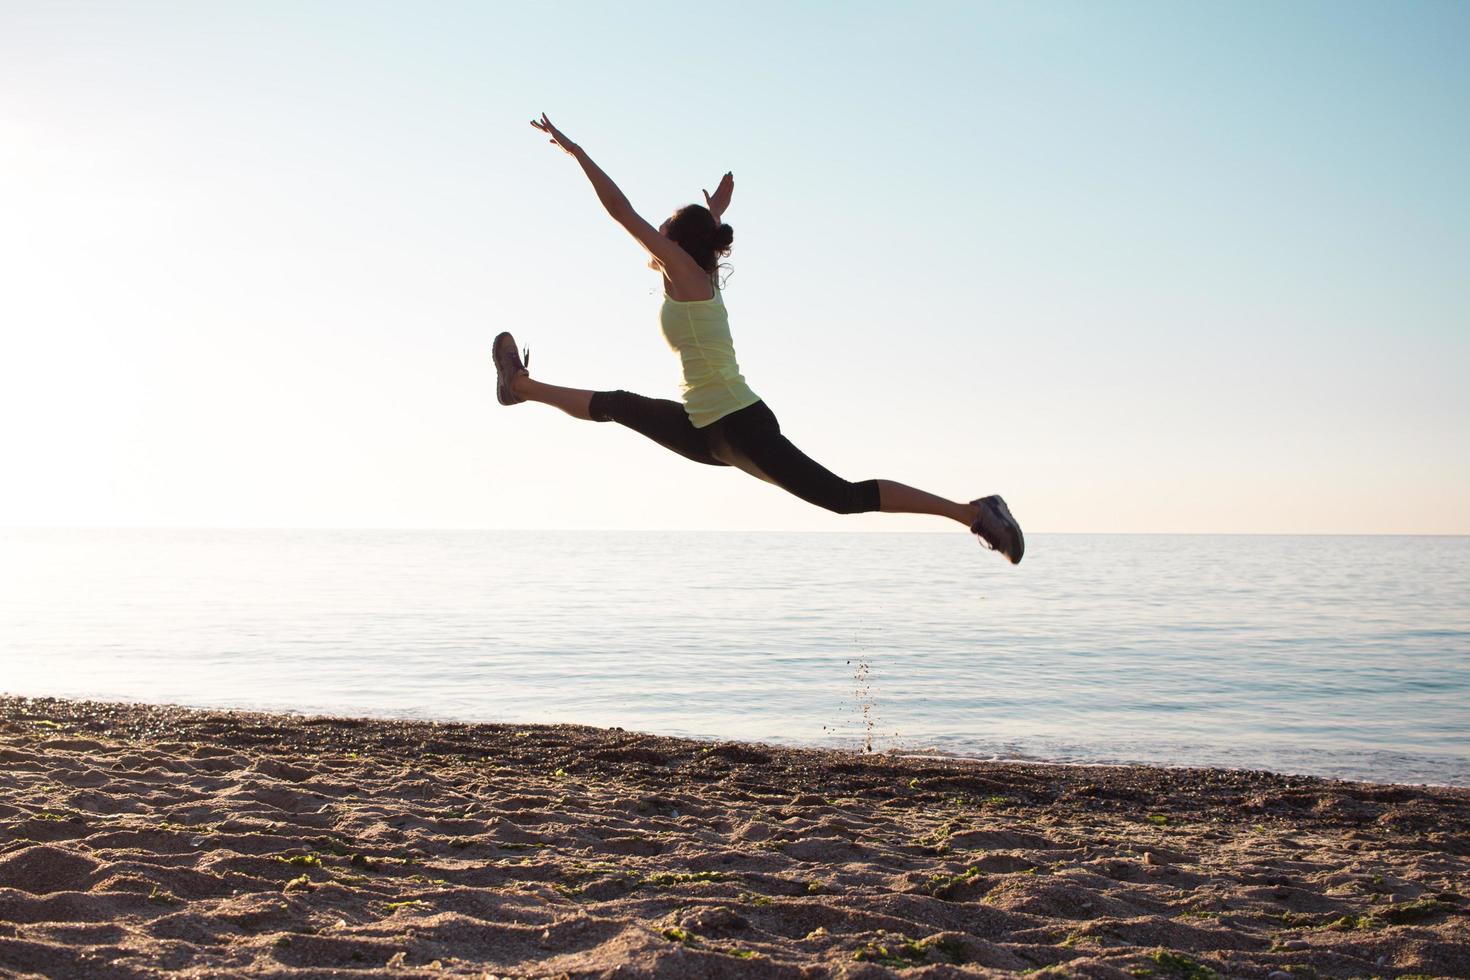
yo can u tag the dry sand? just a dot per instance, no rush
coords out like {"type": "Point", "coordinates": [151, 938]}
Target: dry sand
{"type": "Point", "coordinates": [140, 841]}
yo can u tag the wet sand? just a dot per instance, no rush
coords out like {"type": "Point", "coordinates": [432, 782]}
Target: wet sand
{"type": "Point", "coordinates": [139, 841]}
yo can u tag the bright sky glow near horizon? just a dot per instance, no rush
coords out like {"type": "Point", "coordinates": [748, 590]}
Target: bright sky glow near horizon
{"type": "Point", "coordinates": [1136, 266]}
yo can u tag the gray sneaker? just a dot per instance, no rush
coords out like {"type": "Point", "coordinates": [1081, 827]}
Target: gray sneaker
{"type": "Point", "coordinates": [508, 364]}
{"type": "Point", "coordinates": [997, 529]}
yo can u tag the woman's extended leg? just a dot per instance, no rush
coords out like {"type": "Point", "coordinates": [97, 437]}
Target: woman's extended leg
{"type": "Point", "coordinates": [751, 439]}
{"type": "Point", "coordinates": [663, 421]}
{"type": "Point", "coordinates": [898, 498]}
{"type": "Point", "coordinates": [573, 401]}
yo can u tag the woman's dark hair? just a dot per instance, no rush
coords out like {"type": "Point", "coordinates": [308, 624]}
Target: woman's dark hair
{"type": "Point", "coordinates": [695, 231]}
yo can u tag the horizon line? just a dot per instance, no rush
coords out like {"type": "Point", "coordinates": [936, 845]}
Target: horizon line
{"type": "Point", "coordinates": [623, 530]}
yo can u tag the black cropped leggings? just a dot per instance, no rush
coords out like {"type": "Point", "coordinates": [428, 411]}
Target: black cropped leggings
{"type": "Point", "coordinates": [749, 439]}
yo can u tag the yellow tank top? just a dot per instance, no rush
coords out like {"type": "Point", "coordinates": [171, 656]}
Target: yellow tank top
{"type": "Point", "coordinates": [699, 332]}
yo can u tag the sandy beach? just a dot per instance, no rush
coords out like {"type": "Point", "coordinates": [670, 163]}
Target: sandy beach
{"type": "Point", "coordinates": [138, 841]}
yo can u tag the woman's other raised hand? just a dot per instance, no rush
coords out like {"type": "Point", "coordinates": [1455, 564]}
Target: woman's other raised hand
{"type": "Point", "coordinates": [558, 138]}
{"type": "Point", "coordinates": [720, 202]}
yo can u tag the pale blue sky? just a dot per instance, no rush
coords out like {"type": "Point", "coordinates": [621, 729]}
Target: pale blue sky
{"type": "Point", "coordinates": [1137, 266]}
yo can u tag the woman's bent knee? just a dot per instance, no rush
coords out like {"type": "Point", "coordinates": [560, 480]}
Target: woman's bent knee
{"type": "Point", "coordinates": [609, 406]}
{"type": "Point", "coordinates": [854, 498]}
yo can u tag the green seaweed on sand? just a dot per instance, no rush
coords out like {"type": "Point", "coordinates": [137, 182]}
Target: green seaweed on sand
{"type": "Point", "coordinates": [666, 879]}
{"type": "Point", "coordinates": [1296, 920]}
{"type": "Point", "coordinates": [682, 936]}
{"type": "Point", "coordinates": [1181, 966]}
{"type": "Point", "coordinates": [1352, 923]}
{"type": "Point", "coordinates": [49, 724]}
{"type": "Point", "coordinates": [1074, 937]}
{"type": "Point", "coordinates": [520, 846]}
{"type": "Point", "coordinates": [587, 869]}
{"type": "Point", "coordinates": [966, 801]}
{"type": "Point", "coordinates": [412, 903]}
{"type": "Point", "coordinates": [755, 899]}
{"type": "Point", "coordinates": [1415, 911]}
{"type": "Point", "coordinates": [951, 950]}
{"type": "Point", "coordinates": [944, 886]}
{"type": "Point", "coordinates": [937, 840]}
{"type": "Point", "coordinates": [1400, 914]}
{"type": "Point", "coordinates": [1157, 819]}
{"type": "Point", "coordinates": [902, 952]}
{"type": "Point", "coordinates": [301, 860]}
{"type": "Point", "coordinates": [635, 879]}
{"type": "Point", "coordinates": [161, 897]}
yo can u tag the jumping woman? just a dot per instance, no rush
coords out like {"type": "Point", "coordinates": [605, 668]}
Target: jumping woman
{"type": "Point", "coordinates": [721, 421]}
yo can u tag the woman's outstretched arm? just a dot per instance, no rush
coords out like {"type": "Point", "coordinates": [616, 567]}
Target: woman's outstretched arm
{"type": "Point", "coordinates": [612, 198]}
{"type": "Point", "coordinates": [676, 262]}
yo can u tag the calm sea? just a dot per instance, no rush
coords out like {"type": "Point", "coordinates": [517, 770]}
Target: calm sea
{"type": "Point", "coordinates": [1335, 656]}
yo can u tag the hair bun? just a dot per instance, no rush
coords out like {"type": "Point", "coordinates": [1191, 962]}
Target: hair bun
{"type": "Point", "coordinates": [723, 237]}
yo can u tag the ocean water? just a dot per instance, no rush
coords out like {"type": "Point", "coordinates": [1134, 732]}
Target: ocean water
{"type": "Point", "coordinates": [1334, 656]}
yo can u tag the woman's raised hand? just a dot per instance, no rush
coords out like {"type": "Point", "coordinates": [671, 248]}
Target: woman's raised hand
{"type": "Point", "coordinates": [721, 201]}
{"type": "Point", "coordinates": [557, 137]}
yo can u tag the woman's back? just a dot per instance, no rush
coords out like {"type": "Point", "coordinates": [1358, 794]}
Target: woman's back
{"type": "Point", "coordinates": [699, 332]}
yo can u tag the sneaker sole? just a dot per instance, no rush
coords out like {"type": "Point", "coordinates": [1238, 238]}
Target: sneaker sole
{"type": "Point", "coordinates": [502, 388]}
{"type": "Point", "coordinates": [1015, 528]}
